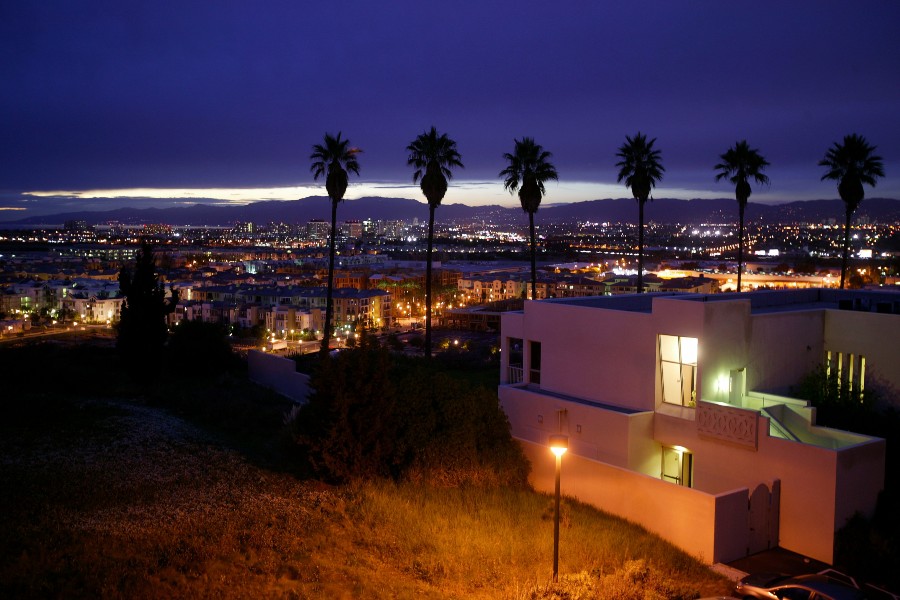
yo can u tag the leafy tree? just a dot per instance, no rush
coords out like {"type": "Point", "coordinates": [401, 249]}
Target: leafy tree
{"type": "Point", "coordinates": [641, 169]}
{"type": "Point", "coordinates": [851, 163]}
{"type": "Point", "coordinates": [432, 155]}
{"type": "Point", "coordinates": [527, 170]}
{"type": "Point", "coordinates": [333, 159]}
{"type": "Point", "coordinates": [739, 165]}
{"type": "Point", "coordinates": [142, 329]}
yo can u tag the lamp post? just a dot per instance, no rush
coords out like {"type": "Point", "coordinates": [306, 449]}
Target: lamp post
{"type": "Point", "coordinates": [558, 445]}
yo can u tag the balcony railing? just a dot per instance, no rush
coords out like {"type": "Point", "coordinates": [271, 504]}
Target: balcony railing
{"type": "Point", "coordinates": [516, 374]}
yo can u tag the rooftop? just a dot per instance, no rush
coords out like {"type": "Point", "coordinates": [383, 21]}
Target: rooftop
{"type": "Point", "coordinates": [883, 301]}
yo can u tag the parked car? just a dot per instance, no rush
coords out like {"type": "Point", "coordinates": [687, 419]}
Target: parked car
{"type": "Point", "coordinates": [773, 586]}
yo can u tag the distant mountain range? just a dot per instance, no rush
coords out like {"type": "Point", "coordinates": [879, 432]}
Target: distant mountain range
{"type": "Point", "coordinates": [661, 210]}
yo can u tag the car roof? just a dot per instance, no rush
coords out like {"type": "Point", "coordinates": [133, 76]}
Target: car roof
{"type": "Point", "coordinates": [823, 585]}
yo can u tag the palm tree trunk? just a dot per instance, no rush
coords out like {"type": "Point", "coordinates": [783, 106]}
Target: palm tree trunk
{"type": "Point", "coordinates": [533, 264]}
{"type": "Point", "coordinates": [846, 252]}
{"type": "Point", "coordinates": [740, 244]}
{"type": "Point", "coordinates": [428, 282]}
{"type": "Point", "coordinates": [640, 280]}
{"type": "Point", "coordinates": [329, 305]}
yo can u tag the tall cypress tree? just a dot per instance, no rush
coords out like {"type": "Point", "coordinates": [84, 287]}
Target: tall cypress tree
{"type": "Point", "coordinates": [142, 329]}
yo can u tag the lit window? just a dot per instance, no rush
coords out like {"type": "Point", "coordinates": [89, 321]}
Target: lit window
{"type": "Point", "coordinates": [678, 369]}
{"type": "Point", "coordinates": [677, 465]}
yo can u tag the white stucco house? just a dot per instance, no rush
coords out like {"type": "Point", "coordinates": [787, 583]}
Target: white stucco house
{"type": "Point", "coordinates": [677, 414]}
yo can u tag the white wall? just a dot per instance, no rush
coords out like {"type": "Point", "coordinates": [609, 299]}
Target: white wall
{"type": "Point", "coordinates": [712, 528]}
{"type": "Point", "coordinates": [592, 353]}
{"type": "Point", "coordinates": [279, 374]}
{"type": "Point", "coordinates": [820, 487]}
{"type": "Point", "coordinates": [623, 439]}
{"type": "Point", "coordinates": [783, 348]}
{"type": "Point", "coordinates": [860, 477]}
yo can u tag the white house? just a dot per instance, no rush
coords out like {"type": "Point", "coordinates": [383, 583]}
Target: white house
{"type": "Point", "coordinates": [677, 417]}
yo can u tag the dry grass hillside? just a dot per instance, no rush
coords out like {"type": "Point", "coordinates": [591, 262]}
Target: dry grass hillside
{"type": "Point", "coordinates": [115, 492]}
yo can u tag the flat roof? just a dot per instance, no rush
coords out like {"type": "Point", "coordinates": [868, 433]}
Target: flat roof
{"type": "Point", "coordinates": [761, 302]}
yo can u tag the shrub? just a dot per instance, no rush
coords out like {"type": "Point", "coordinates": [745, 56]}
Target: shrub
{"type": "Point", "coordinates": [373, 413]}
{"type": "Point", "coordinates": [198, 348]}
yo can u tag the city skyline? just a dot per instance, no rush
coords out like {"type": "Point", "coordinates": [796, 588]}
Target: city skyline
{"type": "Point", "coordinates": [166, 105]}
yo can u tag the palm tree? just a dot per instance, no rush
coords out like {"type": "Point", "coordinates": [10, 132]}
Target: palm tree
{"type": "Point", "coordinates": [740, 164]}
{"type": "Point", "coordinates": [527, 171]}
{"type": "Point", "coordinates": [432, 155]}
{"type": "Point", "coordinates": [334, 158]}
{"type": "Point", "coordinates": [641, 170]}
{"type": "Point", "coordinates": [851, 164]}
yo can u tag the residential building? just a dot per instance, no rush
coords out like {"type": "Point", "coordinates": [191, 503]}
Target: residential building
{"type": "Point", "coordinates": [250, 305]}
{"type": "Point", "coordinates": [627, 284]}
{"type": "Point", "coordinates": [93, 308]}
{"type": "Point", "coordinates": [678, 412]}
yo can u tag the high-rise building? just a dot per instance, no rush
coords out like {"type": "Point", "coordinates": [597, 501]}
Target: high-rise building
{"type": "Point", "coordinates": [317, 229]}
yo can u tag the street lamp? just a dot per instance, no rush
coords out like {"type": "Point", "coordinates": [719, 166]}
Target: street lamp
{"type": "Point", "coordinates": [558, 445]}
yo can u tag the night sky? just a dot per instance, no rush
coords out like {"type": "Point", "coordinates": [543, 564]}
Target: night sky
{"type": "Point", "coordinates": [152, 99]}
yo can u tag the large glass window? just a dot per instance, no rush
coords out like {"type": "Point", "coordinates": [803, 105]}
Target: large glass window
{"type": "Point", "coordinates": [678, 369]}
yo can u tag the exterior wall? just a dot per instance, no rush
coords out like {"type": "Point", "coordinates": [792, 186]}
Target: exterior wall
{"type": "Point", "coordinates": [279, 374]}
{"type": "Point", "coordinates": [783, 347]}
{"type": "Point", "coordinates": [820, 487]}
{"type": "Point", "coordinates": [711, 527]}
{"type": "Point", "coordinates": [623, 439]}
{"type": "Point", "coordinates": [593, 353]}
{"type": "Point", "coordinates": [723, 345]}
{"type": "Point", "coordinates": [860, 477]}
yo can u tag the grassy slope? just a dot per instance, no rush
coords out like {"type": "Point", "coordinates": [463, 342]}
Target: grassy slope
{"type": "Point", "coordinates": [109, 495]}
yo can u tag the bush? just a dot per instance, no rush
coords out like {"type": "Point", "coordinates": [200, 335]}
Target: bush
{"type": "Point", "coordinates": [197, 348]}
{"type": "Point", "coordinates": [376, 414]}
{"type": "Point", "coordinates": [865, 547]}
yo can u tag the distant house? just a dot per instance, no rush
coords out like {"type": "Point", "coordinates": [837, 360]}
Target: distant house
{"type": "Point", "coordinates": [677, 413]}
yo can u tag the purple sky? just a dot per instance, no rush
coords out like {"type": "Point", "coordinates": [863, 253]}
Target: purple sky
{"type": "Point", "coordinates": [170, 96]}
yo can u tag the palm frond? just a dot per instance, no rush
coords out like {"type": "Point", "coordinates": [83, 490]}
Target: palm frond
{"type": "Point", "coordinates": [853, 157]}
{"type": "Point", "coordinates": [528, 161]}
{"type": "Point", "coordinates": [739, 165]}
{"type": "Point", "coordinates": [333, 159]}
{"type": "Point", "coordinates": [433, 155]}
{"type": "Point", "coordinates": [640, 166]}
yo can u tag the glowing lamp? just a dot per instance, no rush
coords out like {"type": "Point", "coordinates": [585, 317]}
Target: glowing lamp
{"type": "Point", "coordinates": [559, 444]}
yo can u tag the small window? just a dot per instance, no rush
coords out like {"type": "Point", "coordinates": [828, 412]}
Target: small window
{"type": "Point", "coordinates": [516, 363]}
{"type": "Point", "coordinates": [846, 373]}
{"type": "Point", "coordinates": [534, 374]}
{"type": "Point", "coordinates": [677, 466]}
